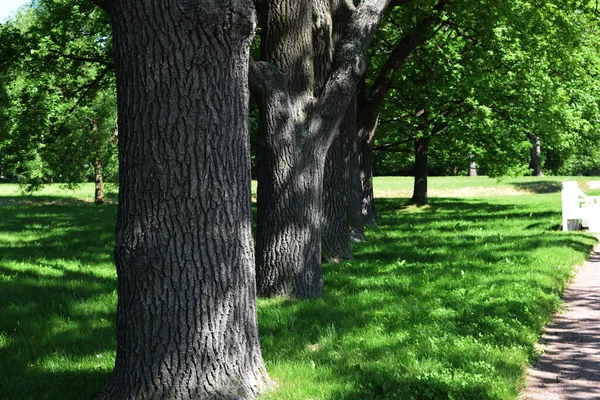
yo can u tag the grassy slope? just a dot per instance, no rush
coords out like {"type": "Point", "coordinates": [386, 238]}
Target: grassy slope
{"type": "Point", "coordinates": [444, 302]}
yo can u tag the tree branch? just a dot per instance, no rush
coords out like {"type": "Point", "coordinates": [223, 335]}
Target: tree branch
{"type": "Point", "coordinates": [399, 55]}
{"type": "Point", "coordinates": [264, 78]}
{"type": "Point", "coordinates": [349, 66]}
{"type": "Point", "coordinates": [87, 88]}
{"type": "Point", "coordinates": [73, 57]}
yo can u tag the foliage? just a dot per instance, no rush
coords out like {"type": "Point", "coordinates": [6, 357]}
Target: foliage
{"type": "Point", "coordinates": [444, 301]}
{"type": "Point", "coordinates": [59, 87]}
{"type": "Point", "coordinates": [493, 74]}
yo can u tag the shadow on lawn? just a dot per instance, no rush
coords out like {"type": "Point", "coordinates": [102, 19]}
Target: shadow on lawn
{"type": "Point", "coordinates": [540, 186]}
{"type": "Point", "coordinates": [55, 310]}
{"type": "Point", "coordinates": [401, 292]}
{"type": "Point", "coordinates": [110, 198]}
{"type": "Point", "coordinates": [380, 311]}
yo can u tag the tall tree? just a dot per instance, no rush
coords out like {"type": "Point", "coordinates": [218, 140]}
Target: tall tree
{"type": "Point", "coordinates": [186, 316]}
{"type": "Point", "coordinates": [490, 81]}
{"type": "Point", "coordinates": [404, 31]}
{"type": "Point", "coordinates": [298, 127]}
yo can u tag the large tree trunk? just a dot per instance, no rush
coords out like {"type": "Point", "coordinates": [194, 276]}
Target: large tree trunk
{"type": "Point", "coordinates": [298, 128]}
{"type": "Point", "coordinates": [186, 315]}
{"type": "Point", "coordinates": [536, 156]}
{"type": "Point", "coordinates": [99, 192]}
{"type": "Point", "coordinates": [420, 184]}
{"type": "Point", "coordinates": [290, 173]}
{"type": "Point", "coordinates": [336, 230]}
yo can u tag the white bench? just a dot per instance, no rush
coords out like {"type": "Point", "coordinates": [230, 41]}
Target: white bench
{"type": "Point", "coordinates": [579, 209]}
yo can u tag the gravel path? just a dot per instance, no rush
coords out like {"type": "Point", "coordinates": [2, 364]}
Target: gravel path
{"type": "Point", "coordinates": [570, 366]}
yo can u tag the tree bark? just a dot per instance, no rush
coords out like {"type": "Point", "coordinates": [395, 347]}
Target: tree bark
{"type": "Point", "coordinates": [289, 176]}
{"type": "Point", "coordinates": [354, 192]}
{"type": "Point", "coordinates": [420, 184]}
{"type": "Point", "coordinates": [472, 165]}
{"type": "Point", "coordinates": [536, 156]}
{"type": "Point", "coordinates": [336, 229]}
{"type": "Point", "coordinates": [368, 210]}
{"type": "Point", "coordinates": [298, 128]}
{"type": "Point", "coordinates": [186, 315]}
{"type": "Point", "coordinates": [99, 192]}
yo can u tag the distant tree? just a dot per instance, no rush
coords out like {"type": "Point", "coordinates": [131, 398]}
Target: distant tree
{"type": "Point", "coordinates": [486, 83]}
{"type": "Point", "coordinates": [60, 86]}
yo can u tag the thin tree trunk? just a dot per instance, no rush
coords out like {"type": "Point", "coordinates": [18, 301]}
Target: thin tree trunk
{"type": "Point", "coordinates": [420, 184]}
{"type": "Point", "coordinates": [99, 192]}
{"type": "Point", "coordinates": [329, 26]}
{"type": "Point", "coordinates": [99, 184]}
{"type": "Point", "coordinates": [472, 165]}
{"type": "Point", "coordinates": [370, 103]}
{"type": "Point", "coordinates": [186, 314]}
{"type": "Point", "coordinates": [536, 156]}
{"type": "Point", "coordinates": [356, 219]}
{"type": "Point", "coordinates": [366, 178]}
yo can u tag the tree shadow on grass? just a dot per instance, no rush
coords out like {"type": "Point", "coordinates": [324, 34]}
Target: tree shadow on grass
{"type": "Point", "coordinates": [57, 301]}
{"type": "Point", "coordinates": [427, 302]}
{"type": "Point", "coordinates": [48, 200]}
{"type": "Point", "coordinates": [539, 187]}
{"type": "Point", "coordinates": [387, 326]}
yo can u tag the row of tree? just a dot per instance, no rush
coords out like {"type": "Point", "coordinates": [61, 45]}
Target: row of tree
{"type": "Point", "coordinates": [477, 80]}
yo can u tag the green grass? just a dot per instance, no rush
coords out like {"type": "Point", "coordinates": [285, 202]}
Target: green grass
{"type": "Point", "coordinates": [443, 302]}
{"type": "Point", "coordinates": [83, 192]}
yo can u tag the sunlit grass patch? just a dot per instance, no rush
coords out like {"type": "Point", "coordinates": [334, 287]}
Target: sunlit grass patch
{"type": "Point", "coordinates": [57, 298]}
{"type": "Point", "coordinates": [442, 302]}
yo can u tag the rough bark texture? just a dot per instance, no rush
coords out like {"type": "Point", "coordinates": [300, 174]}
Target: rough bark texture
{"type": "Point", "coordinates": [99, 191]}
{"type": "Point", "coordinates": [368, 210]}
{"type": "Point", "coordinates": [419, 196]}
{"type": "Point", "coordinates": [186, 316]}
{"type": "Point", "coordinates": [536, 156]}
{"type": "Point", "coordinates": [288, 228]}
{"type": "Point", "coordinates": [298, 129]}
{"type": "Point", "coordinates": [336, 229]}
{"type": "Point", "coordinates": [289, 172]}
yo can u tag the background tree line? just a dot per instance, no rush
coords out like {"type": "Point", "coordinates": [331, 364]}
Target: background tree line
{"type": "Point", "coordinates": [57, 72]}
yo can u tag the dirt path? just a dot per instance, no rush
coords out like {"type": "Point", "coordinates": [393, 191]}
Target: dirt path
{"type": "Point", "coordinates": [570, 366]}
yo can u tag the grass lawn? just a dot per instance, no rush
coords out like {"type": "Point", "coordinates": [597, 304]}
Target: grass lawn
{"type": "Point", "coordinates": [443, 302]}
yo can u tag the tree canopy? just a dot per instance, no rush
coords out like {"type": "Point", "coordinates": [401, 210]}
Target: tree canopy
{"type": "Point", "coordinates": [60, 104]}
